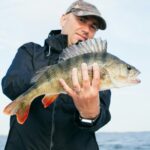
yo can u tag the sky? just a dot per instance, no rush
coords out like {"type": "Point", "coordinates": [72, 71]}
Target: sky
{"type": "Point", "coordinates": [128, 37]}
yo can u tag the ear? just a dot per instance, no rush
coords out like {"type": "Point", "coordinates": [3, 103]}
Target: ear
{"type": "Point", "coordinates": [63, 20]}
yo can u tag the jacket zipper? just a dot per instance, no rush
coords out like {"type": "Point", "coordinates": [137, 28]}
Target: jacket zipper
{"type": "Point", "coordinates": [53, 127]}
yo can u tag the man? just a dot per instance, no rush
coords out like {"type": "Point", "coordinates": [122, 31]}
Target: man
{"type": "Point", "coordinates": [71, 121]}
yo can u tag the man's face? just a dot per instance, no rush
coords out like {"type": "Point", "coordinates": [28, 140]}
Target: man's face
{"type": "Point", "coordinates": [78, 28]}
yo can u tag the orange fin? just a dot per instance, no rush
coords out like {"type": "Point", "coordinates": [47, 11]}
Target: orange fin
{"type": "Point", "coordinates": [48, 99]}
{"type": "Point", "coordinates": [22, 114]}
{"type": "Point", "coordinates": [18, 108]}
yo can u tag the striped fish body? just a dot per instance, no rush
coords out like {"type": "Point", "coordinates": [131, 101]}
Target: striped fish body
{"type": "Point", "coordinates": [49, 80]}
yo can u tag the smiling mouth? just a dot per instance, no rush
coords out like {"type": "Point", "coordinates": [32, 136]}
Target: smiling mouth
{"type": "Point", "coordinates": [83, 38]}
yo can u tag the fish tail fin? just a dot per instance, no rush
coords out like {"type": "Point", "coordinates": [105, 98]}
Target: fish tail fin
{"type": "Point", "coordinates": [19, 108]}
{"type": "Point", "coordinates": [48, 100]}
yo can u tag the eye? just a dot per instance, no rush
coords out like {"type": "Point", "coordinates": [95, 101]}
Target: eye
{"type": "Point", "coordinates": [94, 27]}
{"type": "Point", "coordinates": [129, 67]}
{"type": "Point", "coordinates": [82, 19]}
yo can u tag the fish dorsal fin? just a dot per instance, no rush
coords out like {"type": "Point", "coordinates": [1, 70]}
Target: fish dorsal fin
{"type": "Point", "coordinates": [95, 45]}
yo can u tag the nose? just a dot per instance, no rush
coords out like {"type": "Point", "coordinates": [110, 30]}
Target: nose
{"type": "Point", "coordinates": [86, 29]}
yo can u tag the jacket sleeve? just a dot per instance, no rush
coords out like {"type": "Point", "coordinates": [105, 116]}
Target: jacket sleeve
{"type": "Point", "coordinates": [104, 116]}
{"type": "Point", "coordinates": [18, 76]}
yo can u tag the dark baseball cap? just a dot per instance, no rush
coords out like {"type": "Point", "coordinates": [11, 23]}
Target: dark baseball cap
{"type": "Point", "coordinates": [82, 8]}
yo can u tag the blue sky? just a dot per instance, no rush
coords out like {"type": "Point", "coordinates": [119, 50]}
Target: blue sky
{"type": "Point", "coordinates": [128, 36]}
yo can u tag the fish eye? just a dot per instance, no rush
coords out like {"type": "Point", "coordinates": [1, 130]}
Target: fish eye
{"type": "Point", "coordinates": [129, 67]}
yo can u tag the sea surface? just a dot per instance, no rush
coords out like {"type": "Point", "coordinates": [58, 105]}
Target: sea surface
{"type": "Point", "coordinates": [114, 141]}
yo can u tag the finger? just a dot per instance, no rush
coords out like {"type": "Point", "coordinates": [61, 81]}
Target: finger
{"type": "Point", "coordinates": [96, 76]}
{"type": "Point", "coordinates": [66, 87]}
{"type": "Point", "coordinates": [85, 76]}
{"type": "Point", "coordinates": [75, 81]}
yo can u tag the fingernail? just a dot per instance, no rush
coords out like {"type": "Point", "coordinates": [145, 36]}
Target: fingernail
{"type": "Point", "coordinates": [95, 64]}
{"type": "Point", "coordinates": [83, 65]}
{"type": "Point", "coordinates": [74, 70]}
{"type": "Point", "coordinates": [61, 80]}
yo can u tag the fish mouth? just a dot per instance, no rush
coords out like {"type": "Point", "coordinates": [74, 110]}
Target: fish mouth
{"type": "Point", "coordinates": [134, 79]}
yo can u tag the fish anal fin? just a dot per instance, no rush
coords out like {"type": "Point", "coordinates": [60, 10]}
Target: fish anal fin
{"type": "Point", "coordinates": [22, 114]}
{"type": "Point", "coordinates": [48, 100]}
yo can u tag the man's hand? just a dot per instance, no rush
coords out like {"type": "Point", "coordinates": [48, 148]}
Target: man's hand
{"type": "Point", "coordinates": [86, 95]}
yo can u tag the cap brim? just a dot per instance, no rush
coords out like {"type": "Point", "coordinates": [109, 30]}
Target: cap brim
{"type": "Point", "coordinates": [101, 21]}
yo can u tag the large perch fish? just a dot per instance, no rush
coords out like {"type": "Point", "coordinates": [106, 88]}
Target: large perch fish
{"type": "Point", "coordinates": [113, 71]}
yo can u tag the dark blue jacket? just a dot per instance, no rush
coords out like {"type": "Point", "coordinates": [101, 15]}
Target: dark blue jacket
{"type": "Point", "coordinates": [57, 127]}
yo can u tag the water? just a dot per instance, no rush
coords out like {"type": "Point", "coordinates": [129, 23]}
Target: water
{"type": "Point", "coordinates": [115, 141]}
{"type": "Point", "coordinates": [124, 141]}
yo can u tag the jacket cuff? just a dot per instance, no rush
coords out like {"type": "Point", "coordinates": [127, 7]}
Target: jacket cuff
{"type": "Point", "coordinates": [101, 120]}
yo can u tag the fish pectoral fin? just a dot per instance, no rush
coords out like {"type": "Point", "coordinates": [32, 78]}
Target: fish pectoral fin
{"type": "Point", "coordinates": [48, 100]}
{"type": "Point", "coordinates": [22, 114]}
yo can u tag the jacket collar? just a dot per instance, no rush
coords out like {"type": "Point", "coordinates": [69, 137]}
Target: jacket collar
{"type": "Point", "coordinates": [56, 41]}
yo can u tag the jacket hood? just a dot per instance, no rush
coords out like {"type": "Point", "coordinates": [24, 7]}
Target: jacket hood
{"type": "Point", "coordinates": [56, 41]}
